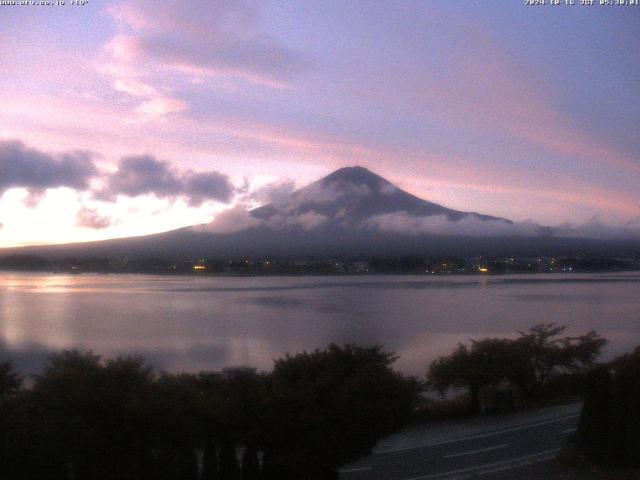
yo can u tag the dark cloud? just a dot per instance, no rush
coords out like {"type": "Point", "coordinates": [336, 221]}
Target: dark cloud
{"type": "Point", "coordinates": [37, 171]}
{"type": "Point", "coordinates": [141, 175]}
{"type": "Point", "coordinates": [207, 185]}
{"type": "Point", "coordinates": [90, 218]}
{"type": "Point", "coordinates": [24, 167]}
{"type": "Point", "coordinates": [144, 175]}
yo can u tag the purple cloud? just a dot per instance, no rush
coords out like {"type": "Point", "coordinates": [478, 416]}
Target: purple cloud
{"type": "Point", "coordinates": [145, 175]}
{"type": "Point", "coordinates": [141, 175]}
{"type": "Point", "coordinates": [199, 187]}
{"type": "Point", "coordinates": [25, 167]}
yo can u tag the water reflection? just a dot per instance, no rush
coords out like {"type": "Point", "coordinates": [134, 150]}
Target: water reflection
{"type": "Point", "coordinates": [194, 323]}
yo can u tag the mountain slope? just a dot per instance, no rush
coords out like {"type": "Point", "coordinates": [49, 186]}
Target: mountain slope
{"type": "Point", "coordinates": [353, 195]}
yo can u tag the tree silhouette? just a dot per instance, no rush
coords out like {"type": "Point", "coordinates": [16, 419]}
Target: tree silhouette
{"type": "Point", "coordinates": [593, 428]}
{"type": "Point", "coordinates": [547, 354]}
{"type": "Point", "coordinates": [209, 459]}
{"type": "Point", "coordinates": [229, 468]}
{"type": "Point", "coordinates": [94, 419]}
{"type": "Point", "coordinates": [177, 408]}
{"type": "Point", "coordinates": [528, 362]}
{"type": "Point", "coordinates": [10, 381]}
{"type": "Point", "coordinates": [487, 362]}
{"type": "Point", "coordinates": [250, 463]}
{"type": "Point", "coordinates": [625, 410]}
{"type": "Point", "coordinates": [609, 427]}
{"type": "Point", "coordinates": [12, 438]}
{"type": "Point", "coordinates": [329, 407]}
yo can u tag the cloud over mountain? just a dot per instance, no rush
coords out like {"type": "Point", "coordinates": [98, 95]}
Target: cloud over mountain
{"type": "Point", "coordinates": [358, 200]}
{"type": "Point", "coordinates": [596, 228]}
{"type": "Point", "coordinates": [232, 220]}
{"type": "Point", "coordinates": [469, 225]}
{"type": "Point", "coordinates": [351, 198]}
{"type": "Point", "coordinates": [273, 192]}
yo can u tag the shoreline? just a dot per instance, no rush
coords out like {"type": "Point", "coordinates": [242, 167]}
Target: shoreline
{"type": "Point", "coordinates": [314, 274]}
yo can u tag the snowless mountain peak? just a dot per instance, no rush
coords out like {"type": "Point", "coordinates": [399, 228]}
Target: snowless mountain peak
{"type": "Point", "coordinates": [357, 175]}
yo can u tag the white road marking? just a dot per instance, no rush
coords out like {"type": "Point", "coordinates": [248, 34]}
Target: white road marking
{"type": "Point", "coordinates": [471, 452]}
{"type": "Point", "coordinates": [480, 435]}
{"type": "Point", "coordinates": [502, 465]}
{"type": "Point", "coordinates": [355, 469]}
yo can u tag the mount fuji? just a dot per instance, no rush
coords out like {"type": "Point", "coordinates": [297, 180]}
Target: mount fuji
{"type": "Point", "coordinates": [351, 212]}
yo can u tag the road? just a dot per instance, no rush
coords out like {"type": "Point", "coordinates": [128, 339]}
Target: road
{"type": "Point", "coordinates": [492, 453]}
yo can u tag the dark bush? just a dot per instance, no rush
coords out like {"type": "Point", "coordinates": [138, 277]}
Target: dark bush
{"type": "Point", "coordinates": [531, 362]}
{"type": "Point", "coordinates": [90, 419]}
{"type": "Point", "coordinates": [609, 428]}
{"type": "Point", "coordinates": [327, 408]}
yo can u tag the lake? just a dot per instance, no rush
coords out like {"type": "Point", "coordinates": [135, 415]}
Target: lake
{"type": "Point", "coordinates": [191, 323]}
